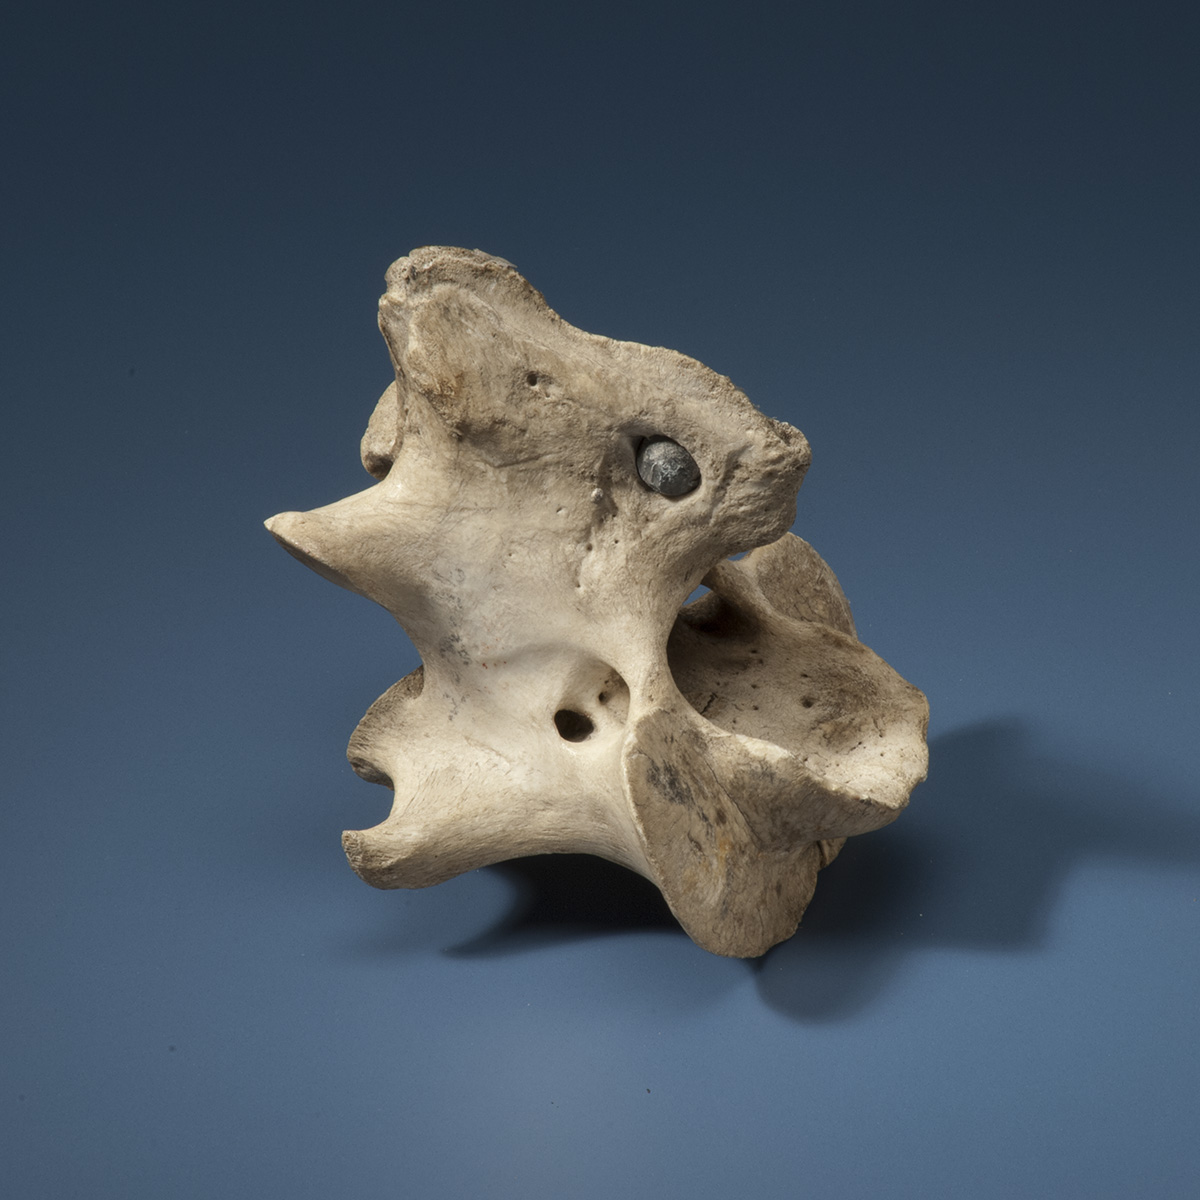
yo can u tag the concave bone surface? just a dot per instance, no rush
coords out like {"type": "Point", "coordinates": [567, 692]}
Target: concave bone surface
{"type": "Point", "coordinates": [566, 702]}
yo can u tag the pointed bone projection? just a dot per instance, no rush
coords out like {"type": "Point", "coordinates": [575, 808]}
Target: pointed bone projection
{"type": "Point", "coordinates": [547, 501]}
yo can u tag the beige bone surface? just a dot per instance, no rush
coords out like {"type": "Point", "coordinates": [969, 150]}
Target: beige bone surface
{"type": "Point", "coordinates": [568, 700]}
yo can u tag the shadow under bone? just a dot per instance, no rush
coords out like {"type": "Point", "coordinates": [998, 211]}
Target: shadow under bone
{"type": "Point", "coordinates": [567, 897]}
{"type": "Point", "coordinates": [978, 861]}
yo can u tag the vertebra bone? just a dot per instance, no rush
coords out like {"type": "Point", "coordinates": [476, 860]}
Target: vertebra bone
{"type": "Point", "coordinates": [535, 530]}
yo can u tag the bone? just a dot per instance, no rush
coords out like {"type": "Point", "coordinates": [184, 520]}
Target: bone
{"type": "Point", "coordinates": [546, 501]}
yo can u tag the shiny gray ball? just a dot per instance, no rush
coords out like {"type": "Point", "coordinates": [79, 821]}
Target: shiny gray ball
{"type": "Point", "coordinates": [666, 467]}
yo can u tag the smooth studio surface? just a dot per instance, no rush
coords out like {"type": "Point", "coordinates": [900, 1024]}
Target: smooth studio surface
{"type": "Point", "coordinates": [957, 248]}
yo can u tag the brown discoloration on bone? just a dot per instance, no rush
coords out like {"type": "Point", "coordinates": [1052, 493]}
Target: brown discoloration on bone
{"type": "Point", "coordinates": [566, 703]}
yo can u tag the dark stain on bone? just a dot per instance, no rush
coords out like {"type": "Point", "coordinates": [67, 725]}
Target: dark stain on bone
{"type": "Point", "coordinates": [667, 781]}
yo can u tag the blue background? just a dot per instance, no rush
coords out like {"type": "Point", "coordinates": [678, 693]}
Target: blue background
{"type": "Point", "coordinates": [956, 244]}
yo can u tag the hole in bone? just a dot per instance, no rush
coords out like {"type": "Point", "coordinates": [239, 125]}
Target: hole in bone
{"type": "Point", "coordinates": [532, 378]}
{"type": "Point", "coordinates": [715, 617]}
{"type": "Point", "coordinates": [573, 726]}
{"type": "Point", "coordinates": [591, 691]}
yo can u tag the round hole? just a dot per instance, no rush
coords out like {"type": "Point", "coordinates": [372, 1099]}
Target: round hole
{"type": "Point", "coordinates": [573, 726]}
{"type": "Point", "coordinates": [532, 379]}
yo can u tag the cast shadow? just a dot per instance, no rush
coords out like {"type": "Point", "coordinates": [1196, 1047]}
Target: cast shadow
{"type": "Point", "coordinates": [568, 897]}
{"type": "Point", "coordinates": [977, 861]}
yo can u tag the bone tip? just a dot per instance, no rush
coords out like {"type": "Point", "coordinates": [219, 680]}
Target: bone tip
{"type": "Point", "coordinates": [286, 528]}
{"type": "Point", "coordinates": [355, 850]}
{"type": "Point", "coordinates": [275, 525]}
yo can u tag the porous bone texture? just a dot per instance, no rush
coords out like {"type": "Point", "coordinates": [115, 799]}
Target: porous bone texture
{"type": "Point", "coordinates": [569, 700]}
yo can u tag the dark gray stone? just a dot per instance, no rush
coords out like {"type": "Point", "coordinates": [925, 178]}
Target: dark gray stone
{"type": "Point", "coordinates": [664, 466]}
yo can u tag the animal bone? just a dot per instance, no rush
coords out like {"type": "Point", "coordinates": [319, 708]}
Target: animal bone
{"type": "Point", "coordinates": [546, 502]}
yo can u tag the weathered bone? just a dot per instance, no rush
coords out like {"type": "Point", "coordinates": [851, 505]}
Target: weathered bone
{"type": "Point", "coordinates": [536, 530]}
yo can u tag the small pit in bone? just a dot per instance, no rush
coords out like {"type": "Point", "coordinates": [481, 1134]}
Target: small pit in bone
{"type": "Point", "coordinates": [573, 726]}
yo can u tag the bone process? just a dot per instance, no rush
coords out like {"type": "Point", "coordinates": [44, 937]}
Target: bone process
{"type": "Point", "coordinates": [546, 502]}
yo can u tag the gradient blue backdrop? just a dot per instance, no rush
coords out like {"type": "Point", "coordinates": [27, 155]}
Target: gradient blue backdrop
{"type": "Point", "coordinates": [955, 243]}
